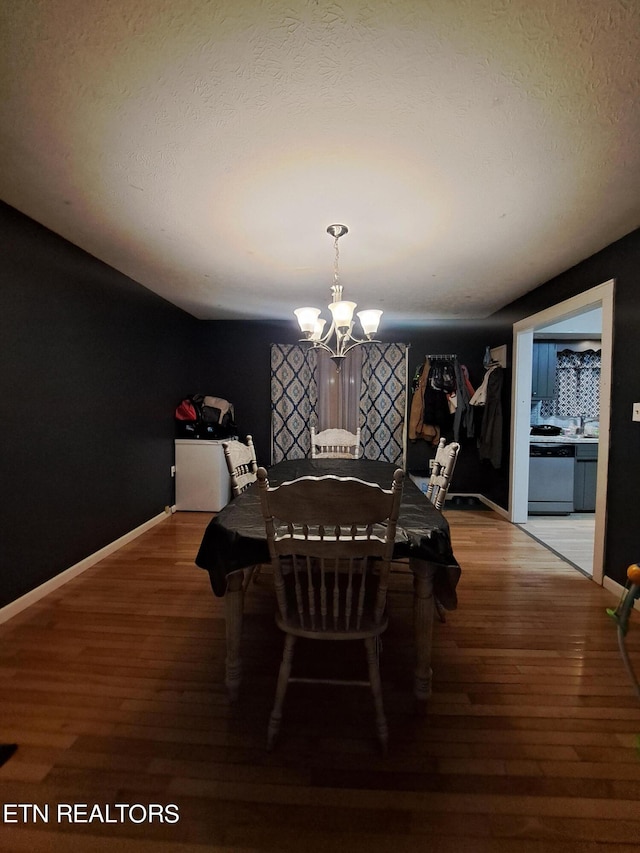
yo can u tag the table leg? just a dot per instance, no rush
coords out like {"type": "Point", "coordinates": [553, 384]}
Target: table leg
{"type": "Point", "coordinates": [423, 608]}
{"type": "Point", "coordinates": [233, 611]}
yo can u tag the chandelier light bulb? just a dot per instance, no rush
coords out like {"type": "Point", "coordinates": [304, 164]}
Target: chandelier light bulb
{"type": "Point", "coordinates": [318, 329]}
{"type": "Point", "coordinates": [307, 319]}
{"type": "Point", "coordinates": [342, 312]}
{"type": "Point", "coordinates": [369, 320]}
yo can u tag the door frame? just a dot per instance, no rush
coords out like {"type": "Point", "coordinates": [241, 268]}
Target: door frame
{"type": "Point", "coordinates": [601, 296]}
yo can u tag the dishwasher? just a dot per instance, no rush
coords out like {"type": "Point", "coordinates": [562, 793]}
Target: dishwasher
{"type": "Point", "coordinates": [551, 475]}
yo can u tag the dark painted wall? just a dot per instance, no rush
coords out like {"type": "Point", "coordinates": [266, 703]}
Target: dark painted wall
{"type": "Point", "coordinates": [235, 365]}
{"type": "Point", "coordinates": [93, 366]}
{"type": "Point", "coordinates": [619, 261]}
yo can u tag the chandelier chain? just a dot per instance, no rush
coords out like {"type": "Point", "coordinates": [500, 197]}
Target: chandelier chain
{"type": "Point", "coordinates": [337, 289]}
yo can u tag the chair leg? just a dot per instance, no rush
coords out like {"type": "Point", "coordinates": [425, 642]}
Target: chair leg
{"type": "Point", "coordinates": [376, 688]}
{"type": "Point", "coordinates": [441, 612]}
{"type": "Point", "coordinates": [252, 573]}
{"type": "Point", "coordinates": [281, 689]}
{"type": "Point", "coordinates": [246, 577]}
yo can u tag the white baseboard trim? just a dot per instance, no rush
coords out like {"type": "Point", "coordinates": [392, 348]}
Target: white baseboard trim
{"type": "Point", "coordinates": [618, 589]}
{"type": "Point", "coordinates": [500, 510]}
{"type": "Point", "coordinates": [495, 507]}
{"type": "Point", "coordinates": [14, 607]}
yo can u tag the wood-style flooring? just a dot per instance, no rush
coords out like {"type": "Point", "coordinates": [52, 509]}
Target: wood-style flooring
{"type": "Point", "coordinates": [113, 689]}
{"type": "Point", "coordinates": [571, 536]}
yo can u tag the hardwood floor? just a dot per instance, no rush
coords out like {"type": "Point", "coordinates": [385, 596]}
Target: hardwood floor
{"type": "Point", "coordinates": [113, 688]}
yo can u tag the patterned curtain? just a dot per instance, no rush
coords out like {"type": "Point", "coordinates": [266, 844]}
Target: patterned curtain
{"type": "Point", "coordinates": [383, 397]}
{"type": "Point", "coordinates": [383, 401]}
{"type": "Point", "coordinates": [293, 400]}
{"type": "Point", "coordinates": [577, 389]}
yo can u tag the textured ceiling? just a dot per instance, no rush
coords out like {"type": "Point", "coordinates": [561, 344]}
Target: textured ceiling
{"type": "Point", "coordinates": [474, 148]}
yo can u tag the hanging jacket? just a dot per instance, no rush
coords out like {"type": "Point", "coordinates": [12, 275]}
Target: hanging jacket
{"type": "Point", "coordinates": [479, 398]}
{"type": "Point", "coordinates": [417, 427]}
{"type": "Point", "coordinates": [436, 407]}
{"type": "Point", "coordinates": [490, 442]}
{"type": "Point", "coordinates": [467, 382]}
{"type": "Point", "coordinates": [463, 415]}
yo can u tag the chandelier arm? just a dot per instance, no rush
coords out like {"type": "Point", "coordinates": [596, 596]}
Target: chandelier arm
{"type": "Point", "coordinates": [322, 343]}
{"type": "Point", "coordinates": [355, 340]}
{"type": "Point", "coordinates": [326, 337]}
{"type": "Point", "coordinates": [358, 343]}
{"type": "Point", "coordinates": [322, 346]}
{"type": "Point", "coordinates": [344, 343]}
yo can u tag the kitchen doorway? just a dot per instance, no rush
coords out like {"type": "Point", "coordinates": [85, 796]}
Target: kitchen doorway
{"type": "Point", "coordinates": [523, 335]}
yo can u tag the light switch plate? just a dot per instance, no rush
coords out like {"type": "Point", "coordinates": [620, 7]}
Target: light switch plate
{"type": "Point", "coordinates": [636, 412]}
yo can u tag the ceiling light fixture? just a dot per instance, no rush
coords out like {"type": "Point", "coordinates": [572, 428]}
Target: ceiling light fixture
{"type": "Point", "coordinates": [312, 326]}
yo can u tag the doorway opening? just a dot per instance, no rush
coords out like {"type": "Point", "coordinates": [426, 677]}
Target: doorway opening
{"type": "Point", "coordinates": [600, 297]}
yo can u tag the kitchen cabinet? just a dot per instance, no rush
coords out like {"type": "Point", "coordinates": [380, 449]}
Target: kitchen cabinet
{"type": "Point", "coordinates": [543, 375]}
{"type": "Point", "coordinates": [584, 483]}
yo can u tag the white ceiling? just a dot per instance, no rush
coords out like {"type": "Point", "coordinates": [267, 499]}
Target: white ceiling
{"type": "Point", "coordinates": [474, 148]}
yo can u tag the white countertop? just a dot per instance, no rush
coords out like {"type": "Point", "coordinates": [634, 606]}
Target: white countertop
{"type": "Point", "coordinates": [561, 439]}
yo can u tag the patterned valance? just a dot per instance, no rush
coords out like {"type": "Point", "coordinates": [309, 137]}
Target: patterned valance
{"type": "Point", "coordinates": [577, 386]}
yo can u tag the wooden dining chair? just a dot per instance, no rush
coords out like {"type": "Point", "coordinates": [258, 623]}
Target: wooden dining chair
{"type": "Point", "coordinates": [330, 541]}
{"type": "Point", "coordinates": [335, 444]}
{"type": "Point", "coordinates": [242, 467]}
{"type": "Point", "coordinates": [442, 467]}
{"type": "Point", "coordinates": [241, 464]}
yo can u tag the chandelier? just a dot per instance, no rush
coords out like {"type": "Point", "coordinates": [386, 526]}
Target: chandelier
{"type": "Point", "coordinates": [312, 327]}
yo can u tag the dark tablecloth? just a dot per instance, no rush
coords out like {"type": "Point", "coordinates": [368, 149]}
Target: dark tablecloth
{"type": "Point", "coordinates": [236, 538]}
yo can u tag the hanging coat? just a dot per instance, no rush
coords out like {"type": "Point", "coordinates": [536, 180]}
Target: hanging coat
{"type": "Point", "coordinates": [490, 442]}
{"type": "Point", "coordinates": [464, 413]}
{"type": "Point", "coordinates": [417, 427]}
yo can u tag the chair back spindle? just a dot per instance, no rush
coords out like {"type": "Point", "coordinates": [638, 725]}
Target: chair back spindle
{"type": "Point", "coordinates": [442, 467]}
{"type": "Point", "coordinates": [335, 444]}
{"type": "Point", "coordinates": [241, 464]}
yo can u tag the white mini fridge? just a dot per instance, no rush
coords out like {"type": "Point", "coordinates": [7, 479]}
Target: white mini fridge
{"type": "Point", "coordinates": [202, 478]}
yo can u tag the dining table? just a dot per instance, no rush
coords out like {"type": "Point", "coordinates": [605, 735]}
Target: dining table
{"type": "Point", "coordinates": [235, 540]}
